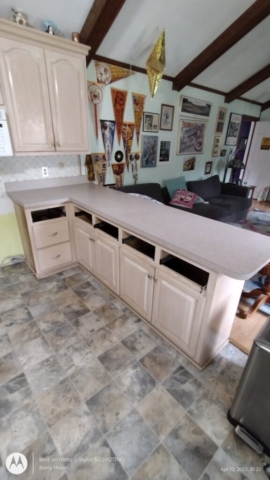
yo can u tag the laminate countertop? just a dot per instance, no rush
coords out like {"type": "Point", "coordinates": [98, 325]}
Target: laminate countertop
{"type": "Point", "coordinates": [217, 246]}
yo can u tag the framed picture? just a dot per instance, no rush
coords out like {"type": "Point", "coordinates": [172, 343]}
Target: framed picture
{"type": "Point", "coordinates": [164, 152]}
{"type": "Point", "coordinates": [149, 151]}
{"type": "Point", "coordinates": [221, 116]}
{"type": "Point", "coordinates": [191, 135]}
{"type": "Point", "coordinates": [208, 168]}
{"type": "Point", "coordinates": [216, 146]}
{"type": "Point", "coordinates": [192, 106]}
{"type": "Point", "coordinates": [150, 122]}
{"type": "Point", "coordinates": [243, 143]}
{"type": "Point", "coordinates": [166, 117]}
{"type": "Point", "coordinates": [233, 129]}
{"type": "Point", "coordinates": [189, 164]}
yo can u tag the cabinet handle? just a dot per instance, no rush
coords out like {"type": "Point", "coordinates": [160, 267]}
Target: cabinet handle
{"type": "Point", "coordinates": [58, 144]}
{"type": "Point", "coordinates": [52, 234]}
{"type": "Point", "coordinates": [150, 276]}
{"type": "Point", "coordinates": [92, 239]}
{"type": "Point", "coordinates": [56, 256]}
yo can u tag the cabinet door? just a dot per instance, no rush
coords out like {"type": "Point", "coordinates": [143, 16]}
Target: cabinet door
{"type": "Point", "coordinates": [85, 249]}
{"type": "Point", "coordinates": [107, 263]}
{"type": "Point", "coordinates": [177, 312]}
{"type": "Point", "coordinates": [27, 96]}
{"type": "Point", "coordinates": [67, 86]}
{"type": "Point", "coordinates": [136, 283]}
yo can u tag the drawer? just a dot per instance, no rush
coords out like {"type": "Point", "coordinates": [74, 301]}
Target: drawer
{"type": "Point", "coordinates": [51, 233]}
{"type": "Point", "coordinates": [54, 256]}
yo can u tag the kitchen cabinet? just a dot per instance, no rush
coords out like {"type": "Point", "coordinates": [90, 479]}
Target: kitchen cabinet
{"type": "Point", "coordinates": [136, 282]}
{"type": "Point", "coordinates": [107, 262]}
{"type": "Point", "coordinates": [44, 85]}
{"type": "Point", "coordinates": [85, 246]}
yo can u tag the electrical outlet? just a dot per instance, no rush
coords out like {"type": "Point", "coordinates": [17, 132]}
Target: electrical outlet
{"type": "Point", "coordinates": [45, 171]}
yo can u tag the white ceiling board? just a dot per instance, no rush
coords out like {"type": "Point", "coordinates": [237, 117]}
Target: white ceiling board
{"type": "Point", "coordinates": [68, 16]}
{"type": "Point", "coordinates": [261, 93]}
{"type": "Point", "coordinates": [191, 25]}
{"type": "Point", "coordinates": [247, 57]}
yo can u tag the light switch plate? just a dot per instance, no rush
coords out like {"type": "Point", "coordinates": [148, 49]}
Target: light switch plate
{"type": "Point", "coordinates": [45, 172]}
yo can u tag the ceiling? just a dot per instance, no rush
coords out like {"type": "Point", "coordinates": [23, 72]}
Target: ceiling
{"type": "Point", "coordinates": [191, 26]}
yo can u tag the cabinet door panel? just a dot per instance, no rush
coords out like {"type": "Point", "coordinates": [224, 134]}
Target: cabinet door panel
{"type": "Point", "coordinates": [27, 96]}
{"type": "Point", "coordinates": [107, 263]}
{"type": "Point", "coordinates": [85, 249]}
{"type": "Point", "coordinates": [67, 86]}
{"type": "Point", "coordinates": [177, 312]}
{"type": "Point", "coordinates": [136, 283]}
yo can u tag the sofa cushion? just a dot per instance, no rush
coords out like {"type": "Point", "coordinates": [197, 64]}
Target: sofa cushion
{"type": "Point", "coordinates": [152, 190]}
{"type": "Point", "coordinates": [183, 198]}
{"type": "Point", "coordinates": [211, 187]}
{"type": "Point", "coordinates": [230, 204]}
{"type": "Point", "coordinates": [175, 184]}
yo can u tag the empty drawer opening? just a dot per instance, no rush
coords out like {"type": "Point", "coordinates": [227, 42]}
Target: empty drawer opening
{"type": "Point", "coordinates": [82, 215]}
{"type": "Point", "coordinates": [107, 228]}
{"type": "Point", "coordinates": [193, 273]}
{"type": "Point", "coordinates": [48, 214]}
{"type": "Point", "coordinates": [140, 245]}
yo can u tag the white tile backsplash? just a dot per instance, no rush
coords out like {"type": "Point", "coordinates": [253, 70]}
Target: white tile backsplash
{"type": "Point", "coordinates": [13, 169]}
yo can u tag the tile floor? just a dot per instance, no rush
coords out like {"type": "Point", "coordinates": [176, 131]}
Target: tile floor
{"type": "Point", "coordinates": [83, 380]}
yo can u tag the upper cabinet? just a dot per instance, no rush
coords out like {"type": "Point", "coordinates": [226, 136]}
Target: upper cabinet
{"type": "Point", "coordinates": [45, 90]}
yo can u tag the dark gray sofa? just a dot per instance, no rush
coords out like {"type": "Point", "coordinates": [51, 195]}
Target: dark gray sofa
{"type": "Point", "coordinates": [227, 202]}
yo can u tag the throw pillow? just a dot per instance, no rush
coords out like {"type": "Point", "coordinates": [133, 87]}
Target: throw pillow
{"type": "Point", "coordinates": [184, 198]}
{"type": "Point", "coordinates": [175, 184]}
{"type": "Point", "coordinates": [200, 200]}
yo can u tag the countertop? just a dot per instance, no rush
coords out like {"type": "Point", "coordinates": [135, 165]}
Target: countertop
{"type": "Point", "coordinates": [214, 245]}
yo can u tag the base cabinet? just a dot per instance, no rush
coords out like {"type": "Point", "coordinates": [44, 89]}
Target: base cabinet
{"type": "Point", "coordinates": [85, 248]}
{"type": "Point", "coordinates": [107, 262]}
{"type": "Point", "coordinates": [136, 283]}
{"type": "Point", "coordinates": [177, 311]}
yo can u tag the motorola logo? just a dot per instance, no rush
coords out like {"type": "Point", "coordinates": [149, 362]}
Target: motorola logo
{"type": "Point", "coordinates": [16, 463]}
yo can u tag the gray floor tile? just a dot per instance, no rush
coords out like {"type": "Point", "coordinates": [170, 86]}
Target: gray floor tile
{"type": "Point", "coordinates": [9, 302]}
{"type": "Point", "coordinates": [45, 374]}
{"type": "Point", "coordinates": [161, 411]}
{"type": "Point", "coordinates": [94, 301]}
{"type": "Point", "coordinates": [14, 394]}
{"type": "Point", "coordinates": [74, 280]}
{"type": "Point", "coordinates": [160, 466]}
{"type": "Point", "coordinates": [100, 341]}
{"type": "Point", "coordinates": [159, 363]}
{"type": "Point", "coordinates": [20, 428]}
{"type": "Point", "coordinates": [223, 386]}
{"type": "Point", "coordinates": [124, 325]}
{"type": "Point", "coordinates": [75, 433]}
{"type": "Point", "coordinates": [117, 360]}
{"type": "Point", "coordinates": [132, 440]}
{"type": "Point", "coordinates": [98, 470]}
{"type": "Point", "coordinates": [136, 383]}
{"type": "Point", "coordinates": [90, 379]}
{"type": "Point", "coordinates": [108, 312]}
{"type": "Point", "coordinates": [75, 356]}
{"type": "Point", "coordinates": [62, 337]}
{"type": "Point", "coordinates": [183, 387]}
{"type": "Point", "coordinates": [56, 402]}
{"type": "Point", "coordinates": [24, 333]}
{"type": "Point", "coordinates": [33, 352]}
{"type": "Point", "coordinates": [139, 344]}
{"type": "Point", "coordinates": [9, 367]}
{"type": "Point", "coordinates": [190, 446]}
{"type": "Point", "coordinates": [51, 321]}
{"type": "Point", "coordinates": [222, 467]}
{"type": "Point", "coordinates": [36, 297]}
{"type": "Point", "coordinates": [211, 416]}
{"type": "Point", "coordinates": [84, 289]}
{"type": "Point", "coordinates": [64, 298]}
{"type": "Point", "coordinates": [87, 323]}
{"type": "Point", "coordinates": [5, 345]}
{"type": "Point", "coordinates": [14, 318]}
{"type": "Point", "coordinates": [42, 309]}
{"type": "Point", "coordinates": [74, 310]}
{"type": "Point", "coordinates": [109, 406]}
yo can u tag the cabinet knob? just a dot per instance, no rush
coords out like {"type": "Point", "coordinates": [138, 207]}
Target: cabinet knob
{"type": "Point", "coordinates": [150, 276]}
{"type": "Point", "coordinates": [56, 256]}
{"type": "Point", "coordinates": [92, 239]}
{"type": "Point", "coordinates": [52, 234]}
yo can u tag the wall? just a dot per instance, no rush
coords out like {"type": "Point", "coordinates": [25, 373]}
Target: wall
{"type": "Point", "coordinates": [26, 168]}
{"type": "Point", "coordinates": [265, 115]}
{"type": "Point", "coordinates": [139, 83]}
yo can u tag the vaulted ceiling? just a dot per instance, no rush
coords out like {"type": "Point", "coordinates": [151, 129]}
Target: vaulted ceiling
{"type": "Point", "coordinates": [217, 44]}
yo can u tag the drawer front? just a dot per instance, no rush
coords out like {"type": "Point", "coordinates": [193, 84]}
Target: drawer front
{"type": "Point", "coordinates": [54, 256]}
{"type": "Point", "coordinates": [51, 233]}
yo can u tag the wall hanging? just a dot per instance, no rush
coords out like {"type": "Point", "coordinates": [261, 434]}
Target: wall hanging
{"type": "Point", "coordinates": [233, 129]}
{"type": "Point", "coordinates": [119, 98]}
{"type": "Point", "coordinates": [149, 151]}
{"type": "Point", "coordinates": [150, 122]}
{"type": "Point", "coordinates": [107, 131]}
{"type": "Point", "coordinates": [192, 106]}
{"type": "Point", "coordinates": [156, 63]}
{"type": "Point", "coordinates": [189, 164]}
{"type": "Point", "coordinates": [221, 116]}
{"type": "Point", "coordinates": [95, 97]}
{"type": "Point", "coordinates": [138, 106]}
{"type": "Point", "coordinates": [191, 135]}
{"type": "Point", "coordinates": [118, 173]}
{"type": "Point", "coordinates": [100, 167]}
{"type": "Point", "coordinates": [127, 135]}
{"type": "Point", "coordinates": [107, 73]}
{"type": "Point", "coordinates": [164, 152]}
{"type": "Point", "coordinates": [166, 117]}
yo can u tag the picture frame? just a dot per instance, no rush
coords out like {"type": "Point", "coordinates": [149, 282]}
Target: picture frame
{"type": "Point", "coordinates": [164, 152]}
{"type": "Point", "coordinates": [233, 129]}
{"type": "Point", "coordinates": [191, 136]}
{"type": "Point", "coordinates": [150, 122]}
{"type": "Point", "coordinates": [149, 148]}
{"type": "Point", "coordinates": [166, 117]}
{"type": "Point", "coordinates": [216, 146]}
{"type": "Point", "coordinates": [189, 164]}
{"type": "Point", "coordinates": [208, 168]}
{"type": "Point", "coordinates": [220, 122]}
{"type": "Point", "coordinates": [194, 107]}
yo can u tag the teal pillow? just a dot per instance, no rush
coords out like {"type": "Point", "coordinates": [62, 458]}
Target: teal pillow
{"type": "Point", "coordinates": [175, 184]}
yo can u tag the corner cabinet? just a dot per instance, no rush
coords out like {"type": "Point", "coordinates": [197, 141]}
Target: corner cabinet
{"type": "Point", "coordinates": [45, 90]}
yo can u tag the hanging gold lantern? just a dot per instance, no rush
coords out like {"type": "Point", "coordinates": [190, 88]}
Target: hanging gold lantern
{"type": "Point", "coordinates": [156, 64]}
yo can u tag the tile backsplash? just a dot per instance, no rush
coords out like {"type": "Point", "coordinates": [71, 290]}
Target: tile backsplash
{"type": "Point", "coordinates": [13, 169]}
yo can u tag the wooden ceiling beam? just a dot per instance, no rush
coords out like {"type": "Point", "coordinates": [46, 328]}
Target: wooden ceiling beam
{"type": "Point", "coordinates": [98, 22]}
{"type": "Point", "coordinates": [248, 84]}
{"type": "Point", "coordinates": [265, 106]}
{"type": "Point", "coordinates": [254, 15]}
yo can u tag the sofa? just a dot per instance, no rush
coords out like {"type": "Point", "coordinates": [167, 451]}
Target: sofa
{"type": "Point", "coordinates": [225, 202]}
